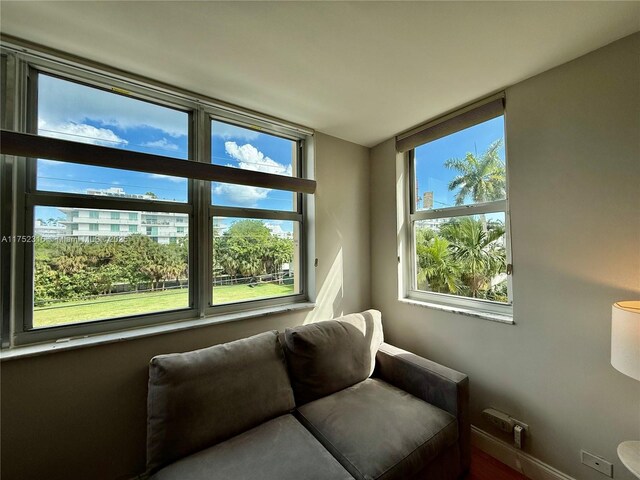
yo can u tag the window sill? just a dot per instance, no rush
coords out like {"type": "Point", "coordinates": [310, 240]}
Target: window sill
{"type": "Point", "coordinates": [494, 317]}
{"type": "Point", "coordinates": [124, 335]}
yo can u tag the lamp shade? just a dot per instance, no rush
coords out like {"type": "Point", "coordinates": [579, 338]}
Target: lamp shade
{"type": "Point", "coordinates": [625, 338]}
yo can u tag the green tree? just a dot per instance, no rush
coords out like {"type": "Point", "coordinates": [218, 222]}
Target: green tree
{"type": "Point", "coordinates": [177, 258]}
{"type": "Point", "coordinates": [249, 249]}
{"type": "Point", "coordinates": [438, 270]}
{"type": "Point", "coordinates": [248, 242]}
{"type": "Point", "coordinates": [278, 252]}
{"type": "Point", "coordinates": [131, 257]}
{"type": "Point", "coordinates": [225, 258]}
{"type": "Point", "coordinates": [79, 270]}
{"type": "Point", "coordinates": [155, 265]}
{"type": "Point", "coordinates": [481, 178]}
{"type": "Point", "coordinates": [71, 258]}
{"type": "Point", "coordinates": [478, 251]}
{"type": "Point", "coordinates": [61, 272]}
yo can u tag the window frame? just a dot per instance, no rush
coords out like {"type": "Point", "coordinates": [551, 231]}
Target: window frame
{"type": "Point", "coordinates": [17, 328]}
{"type": "Point", "coordinates": [24, 332]}
{"type": "Point", "coordinates": [7, 120]}
{"type": "Point", "coordinates": [258, 214]}
{"type": "Point", "coordinates": [467, 305]}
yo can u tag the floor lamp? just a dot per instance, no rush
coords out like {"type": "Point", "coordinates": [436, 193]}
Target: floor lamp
{"type": "Point", "coordinates": [625, 357]}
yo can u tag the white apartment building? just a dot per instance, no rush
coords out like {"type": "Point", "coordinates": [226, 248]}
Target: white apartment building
{"type": "Point", "coordinates": [433, 223]}
{"type": "Point", "coordinates": [50, 229]}
{"type": "Point", "coordinates": [87, 224]}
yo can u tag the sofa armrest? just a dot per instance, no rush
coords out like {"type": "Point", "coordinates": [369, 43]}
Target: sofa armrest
{"type": "Point", "coordinates": [434, 383]}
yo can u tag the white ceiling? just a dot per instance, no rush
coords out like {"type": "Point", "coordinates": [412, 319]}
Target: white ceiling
{"type": "Point", "coordinates": [356, 70]}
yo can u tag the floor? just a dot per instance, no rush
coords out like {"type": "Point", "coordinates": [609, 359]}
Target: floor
{"type": "Point", "coordinates": [484, 467]}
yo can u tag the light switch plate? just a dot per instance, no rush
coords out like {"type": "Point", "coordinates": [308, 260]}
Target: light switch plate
{"type": "Point", "coordinates": [597, 463]}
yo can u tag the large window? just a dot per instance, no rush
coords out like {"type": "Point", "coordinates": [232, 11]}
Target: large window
{"type": "Point", "coordinates": [109, 243]}
{"type": "Point", "coordinates": [95, 267]}
{"type": "Point", "coordinates": [256, 231]}
{"type": "Point", "coordinates": [458, 250]}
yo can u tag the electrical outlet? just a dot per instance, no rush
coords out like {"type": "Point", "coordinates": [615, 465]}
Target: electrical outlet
{"type": "Point", "coordinates": [597, 463]}
{"type": "Point", "coordinates": [500, 419]}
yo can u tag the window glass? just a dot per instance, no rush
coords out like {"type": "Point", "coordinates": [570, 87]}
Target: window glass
{"type": "Point", "coordinates": [238, 147]}
{"type": "Point", "coordinates": [463, 256]}
{"type": "Point", "coordinates": [229, 195]}
{"type": "Point", "coordinates": [464, 168]}
{"type": "Point", "coordinates": [462, 253]}
{"type": "Point", "coordinates": [95, 261]}
{"type": "Point", "coordinates": [82, 275]}
{"type": "Point", "coordinates": [72, 111]}
{"type": "Point", "coordinates": [254, 259]}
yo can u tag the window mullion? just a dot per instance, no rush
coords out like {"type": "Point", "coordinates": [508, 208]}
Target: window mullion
{"type": "Point", "coordinates": [240, 212]}
{"type": "Point", "coordinates": [6, 193]}
{"type": "Point", "coordinates": [202, 197]}
{"type": "Point", "coordinates": [59, 199]}
{"type": "Point", "coordinates": [464, 210]}
{"type": "Point", "coordinates": [410, 162]}
{"type": "Point", "coordinates": [23, 255]}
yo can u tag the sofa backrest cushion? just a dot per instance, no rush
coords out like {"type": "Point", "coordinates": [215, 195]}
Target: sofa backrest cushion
{"type": "Point", "coordinates": [197, 399]}
{"type": "Point", "coordinates": [328, 356]}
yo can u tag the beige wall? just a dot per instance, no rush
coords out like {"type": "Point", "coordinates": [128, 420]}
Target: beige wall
{"type": "Point", "coordinates": [81, 414]}
{"type": "Point", "coordinates": [573, 140]}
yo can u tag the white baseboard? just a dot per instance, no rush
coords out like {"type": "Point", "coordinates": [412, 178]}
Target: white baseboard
{"type": "Point", "coordinates": [520, 461]}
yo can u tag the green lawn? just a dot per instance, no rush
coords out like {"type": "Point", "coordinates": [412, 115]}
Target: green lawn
{"type": "Point", "coordinates": [136, 303]}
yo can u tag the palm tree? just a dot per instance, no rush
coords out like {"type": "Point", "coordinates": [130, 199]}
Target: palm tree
{"type": "Point", "coordinates": [478, 251]}
{"type": "Point", "coordinates": [437, 268]}
{"type": "Point", "coordinates": [482, 178]}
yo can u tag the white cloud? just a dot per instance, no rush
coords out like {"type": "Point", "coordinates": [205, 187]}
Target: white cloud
{"type": "Point", "coordinates": [44, 162]}
{"type": "Point", "coordinates": [60, 101]}
{"type": "Point", "coordinates": [250, 158]}
{"type": "Point", "coordinates": [241, 194]}
{"type": "Point", "coordinates": [157, 176]}
{"type": "Point", "coordinates": [162, 144]}
{"type": "Point", "coordinates": [227, 131]}
{"type": "Point", "coordinates": [275, 229]}
{"type": "Point", "coordinates": [81, 132]}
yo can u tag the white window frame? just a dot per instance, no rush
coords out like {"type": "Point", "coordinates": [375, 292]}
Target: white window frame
{"type": "Point", "coordinates": [409, 215]}
{"type": "Point", "coordinates": [25, 62]}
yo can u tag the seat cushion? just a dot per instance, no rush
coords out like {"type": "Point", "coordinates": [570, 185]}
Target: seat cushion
{"type": "Point", "coordinates": [325, 357]}
{"type": "Point", "coordinates": [280, 449]}
{"type": "Point", "coordinates": [378, 431]}
{"type": "Point", "coordinates": [200, 398]}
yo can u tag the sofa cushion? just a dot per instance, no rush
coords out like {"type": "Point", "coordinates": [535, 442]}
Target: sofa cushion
{"type": "Point", "coordinates": [197, 399]}
{"type": "Point", "coordinates": [280, 449]}
{"type": "Point", "coordinates": [377, 431]}
{"type": "Point", "coordinates": [325, 357]}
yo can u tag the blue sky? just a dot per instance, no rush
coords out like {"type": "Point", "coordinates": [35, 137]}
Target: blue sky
{"type": "Point", "coordinates": [239, 147]}
{"type": "Point", "coordinates": [75, 112]}
{"type": "Point", "coordinates": [431, 174]}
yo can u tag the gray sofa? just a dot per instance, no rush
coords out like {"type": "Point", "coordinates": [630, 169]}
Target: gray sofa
{"type": "Point", "coordinates": [324, 401]}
